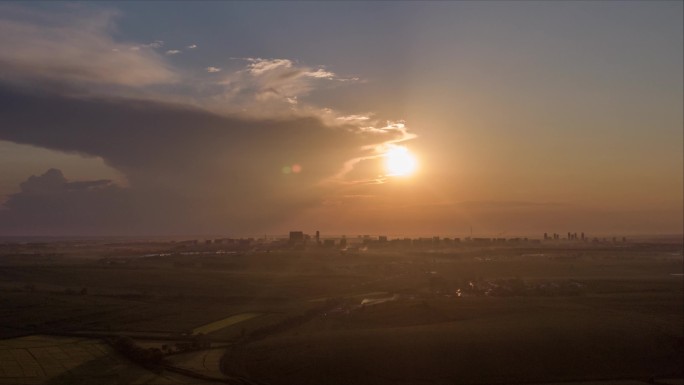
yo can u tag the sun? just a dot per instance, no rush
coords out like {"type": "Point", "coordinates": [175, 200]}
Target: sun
{"type": "Point", "coordinates": [400, 162]}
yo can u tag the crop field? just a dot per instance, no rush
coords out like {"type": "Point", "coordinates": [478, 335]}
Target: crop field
{"type": "Point", "coordinates": [486, 340]}
{"type": "Point", "coordinates": [621, 322]}
{"type": "Point", "coordinates": [574, 315]}
{"type": "Point", "coordinates": [64, 361]}
{"type": "Point", "coordinates": [224, 323]}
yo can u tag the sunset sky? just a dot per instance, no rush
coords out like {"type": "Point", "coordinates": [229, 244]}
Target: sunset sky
{"type": "Point", "coordinates": [252, 118]}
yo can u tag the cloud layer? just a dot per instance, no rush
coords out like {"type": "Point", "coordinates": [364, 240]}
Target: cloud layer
{"type": "Point", "coordinates": [69, 50]}
{"type": "Point", "coordinates": [189, 170]}
{"type": "Point", "coordinates": [201, 153]}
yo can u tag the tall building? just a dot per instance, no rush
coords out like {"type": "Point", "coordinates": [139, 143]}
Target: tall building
{"type": "Point", "coordinates": [296, 236]}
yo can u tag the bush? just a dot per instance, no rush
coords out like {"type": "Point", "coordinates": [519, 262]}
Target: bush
{"type": "Point", "coordinates": [151, 358]}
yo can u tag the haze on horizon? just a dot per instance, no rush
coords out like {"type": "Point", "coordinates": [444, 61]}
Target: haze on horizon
{"type": "Point", "coordinates": [156, 118]}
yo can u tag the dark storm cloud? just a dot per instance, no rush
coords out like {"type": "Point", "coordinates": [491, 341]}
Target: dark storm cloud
{"type": "Point", "coordinates": [54, 181]}
{"type": "Point", "coordinates": [183, 164]}
{"type": "Point", "coordinates": [236, 151]}
{"type": "Point", "coordinates": [49, 201]}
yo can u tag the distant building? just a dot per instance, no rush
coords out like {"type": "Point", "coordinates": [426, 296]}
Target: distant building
{"type": "Point", "coordinates": [296, 237]}
{"type": "Point", "coordinates": [328, 243]}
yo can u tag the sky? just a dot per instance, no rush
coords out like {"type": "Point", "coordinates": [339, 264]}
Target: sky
{"type": "Point", "coordinates": [253, 118]}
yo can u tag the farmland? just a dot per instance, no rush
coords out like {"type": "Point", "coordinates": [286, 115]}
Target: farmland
{"type": "Point", "coordinates": [467, 314]}
{"type": "Point", "coordinates": [53, 360]}
{"type": "Point", "coordinates": [224, 323]}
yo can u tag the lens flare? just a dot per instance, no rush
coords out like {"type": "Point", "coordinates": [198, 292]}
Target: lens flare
{"type": "Point", "coordinates": [294, 169]}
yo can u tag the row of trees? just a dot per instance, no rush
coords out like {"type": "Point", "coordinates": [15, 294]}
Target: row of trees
{"type": "Point", "coordinates": [150, 358]}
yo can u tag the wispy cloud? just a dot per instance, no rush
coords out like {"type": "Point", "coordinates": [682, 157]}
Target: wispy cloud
{"type": "Point", "coordinates": [353, 118]}
{"type": "Point", "coordinates": [258, 66]}
{"type": "Point", "coordinates": [394, 132]}
{"type": "Point", "coordinates": [321, 74]}
{"type": "Point", "coordinates": [154, 44]}
{"type": "Point", "coordinates": [73, 48]}
{"type": "Point", "coordinates": [191, 46]}
{"type": "Point", "coordinates": [173, 52]}
{"type": "Point", "coordinates": [213, 69]}
{"type": "Point", "coordinates": [275, 85]}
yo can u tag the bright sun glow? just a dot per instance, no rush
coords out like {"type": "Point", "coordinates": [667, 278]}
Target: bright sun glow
{"type": "Point", "coordinates": [400, 162]}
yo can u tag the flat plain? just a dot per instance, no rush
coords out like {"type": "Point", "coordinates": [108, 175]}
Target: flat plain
{"type": "Point", "coordinates": [463, 314]}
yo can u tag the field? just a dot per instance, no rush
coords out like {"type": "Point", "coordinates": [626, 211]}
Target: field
{"type": "Point", "coordinates": [52, 360]}
{"type": "Point", "coordinates": [224, 323]}
{"type": "Point", "coordinates": [205, 362]}
{"type": "Point", "coordinates": [468, 314]}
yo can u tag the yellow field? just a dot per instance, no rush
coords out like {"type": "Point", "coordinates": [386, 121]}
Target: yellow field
{"type": "Point", "coordinates": [224, 323]}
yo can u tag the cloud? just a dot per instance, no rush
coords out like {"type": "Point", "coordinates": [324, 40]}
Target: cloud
{"type": "Point", "coordinates": [75, 52]}
{"type": "Point", "coordinates": [270, 86]}
{"type": "Point", "coordinates": [208, 158]}
{"type": "Point", "coordinates": [320, 74]}
{"type": "Point", "coordinates": [50, 204]}
{"type": "Point", "coordinates": [53, 181]}
{"type": "Point", "coordinates": [352, 118]}
{"type": "Point", "coordinates": [153, 45]}
{"type": "Point", "coordinates": [258, 66]}
{"type": "Point", "coordinates": [71, 49]}
{"type": "Point", "coordinates": [191, 46]}
{"type": "Point", "coordinates": [195, 167]}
